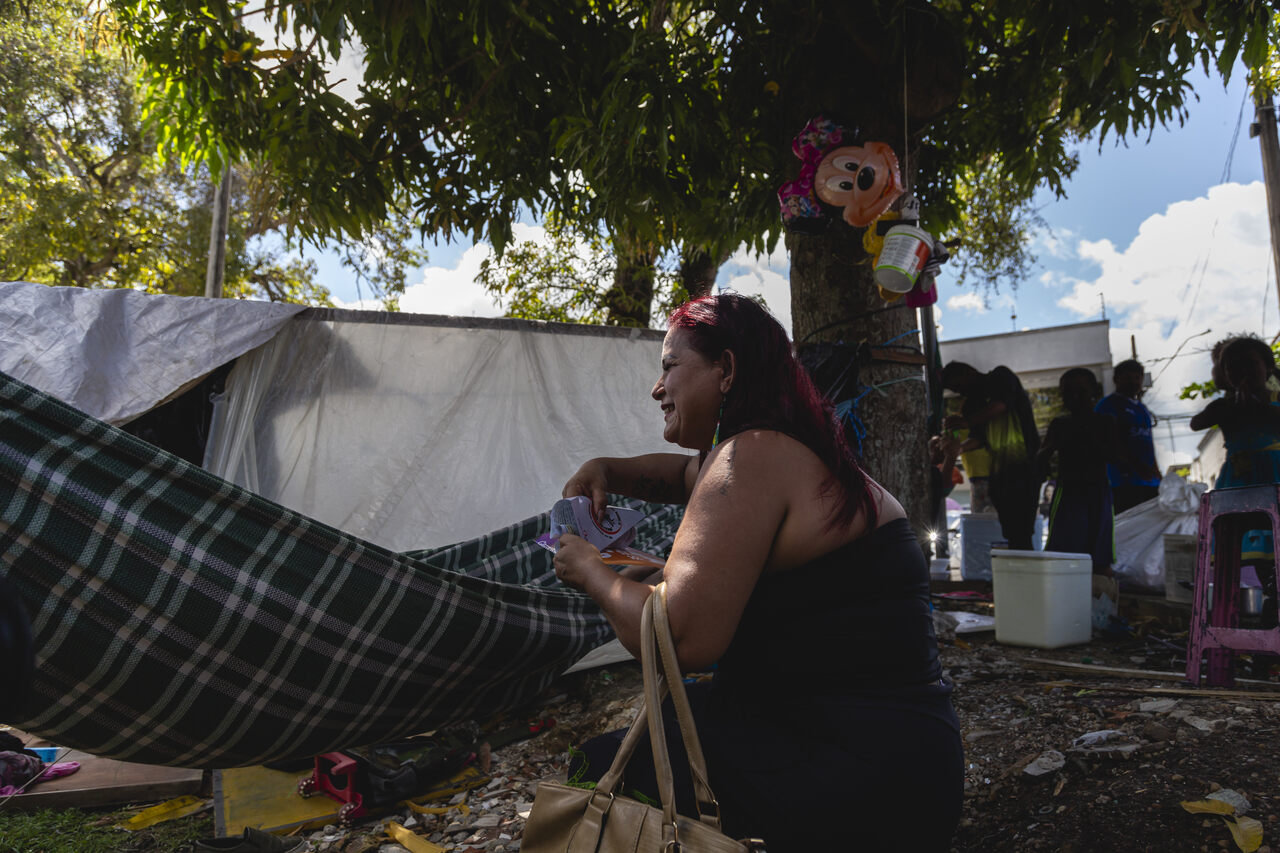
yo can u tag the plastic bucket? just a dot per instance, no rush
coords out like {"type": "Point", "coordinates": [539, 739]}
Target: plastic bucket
{"type": "Point", "coordinates": [1043, 599]}
{"type": "Point", "coordinates": [906, 251]}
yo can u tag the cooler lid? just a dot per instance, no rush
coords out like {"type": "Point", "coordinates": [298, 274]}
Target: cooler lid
{"type": "Point", "coordinates": [1038, 555]}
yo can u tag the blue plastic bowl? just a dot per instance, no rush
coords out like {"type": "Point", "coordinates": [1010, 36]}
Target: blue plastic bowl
{"type": "Point", "coordinates": [48, 754]}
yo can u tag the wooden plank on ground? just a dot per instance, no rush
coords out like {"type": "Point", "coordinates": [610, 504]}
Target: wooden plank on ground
{"type": "Point", "coordinates": [1099, 671]}
{"type": "Point", "coordinates": [107, 782]}
{"type": "Point", "coordinates": [1191, 692]}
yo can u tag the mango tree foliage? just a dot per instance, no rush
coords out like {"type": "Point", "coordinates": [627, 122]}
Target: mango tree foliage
{"type": "Point", "coordinates": [86, 200]}
{"type": "Point", "coordinates": [672, 119]}
{"type": "Point", "coordinates": [669, 123]}
{"type": "Point", "coordinates": [561, 278]}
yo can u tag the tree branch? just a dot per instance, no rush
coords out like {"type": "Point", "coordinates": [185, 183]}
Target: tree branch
{"type": "Point", "coordinates": [66, 158]}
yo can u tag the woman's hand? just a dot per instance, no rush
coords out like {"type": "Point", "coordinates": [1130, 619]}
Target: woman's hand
{"type": "Point", "coordinates": [577, 561]}
{"type": "Point", "coordinates": [592, 481]}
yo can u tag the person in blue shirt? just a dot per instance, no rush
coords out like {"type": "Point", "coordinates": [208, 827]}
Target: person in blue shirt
{"type": "Point", "coordinates": [1134, 478]}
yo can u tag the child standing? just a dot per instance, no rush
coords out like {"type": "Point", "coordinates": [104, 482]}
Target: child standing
{"type": "Point", "coordinates": [1081, 518]}
{"type": "Point", "coordinates": [1249, 414]}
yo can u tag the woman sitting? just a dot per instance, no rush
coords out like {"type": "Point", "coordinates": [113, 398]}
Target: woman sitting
{"type": "Point", "coordinates": [827, 725]}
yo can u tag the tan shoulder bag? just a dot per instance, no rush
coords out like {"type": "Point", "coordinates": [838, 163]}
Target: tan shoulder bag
{"type": "Point", "coordinates": [566, 819]}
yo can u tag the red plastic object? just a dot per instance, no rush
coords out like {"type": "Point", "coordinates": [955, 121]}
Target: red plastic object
{"type": "Point", "coordinates": [335, 777]}
{"type": "Point", "coordinates": [1215, 632]}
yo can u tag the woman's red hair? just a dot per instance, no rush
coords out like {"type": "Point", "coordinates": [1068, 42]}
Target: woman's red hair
{"type": "Point", "coordinates": [772, 390]}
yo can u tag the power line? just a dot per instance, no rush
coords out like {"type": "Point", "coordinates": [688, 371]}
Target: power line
{"type": "Point", "coordinates": [1199, 351]}
{"type": "Point", "coordinates": [1231, 151]}
{"type": "Point", "coordinates": [1204, 268]}
{"type": "Point", "coordinates": [1175, 354]}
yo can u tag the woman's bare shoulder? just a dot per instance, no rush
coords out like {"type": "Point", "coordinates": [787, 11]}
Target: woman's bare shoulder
{"type": "Point", "coordinates": [769, 443]}
{"type": "Point", "coordinates": [769, 454]}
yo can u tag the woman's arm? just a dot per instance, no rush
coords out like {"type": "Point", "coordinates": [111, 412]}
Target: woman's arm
{"type": "Point", "coordinates": [1209, 416]}
{"type": "Point", "coordinates": [658, 477]}
{"type": "Point", "coordinates": [725, 539]}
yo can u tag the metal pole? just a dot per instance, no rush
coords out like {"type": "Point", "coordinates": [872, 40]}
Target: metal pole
{"type": "Point", "coordinates": [933, 392]}
{"type": "Point", "coordinates": [1266, 127]}
{"type": "Point", "coordinates": [218, 236]}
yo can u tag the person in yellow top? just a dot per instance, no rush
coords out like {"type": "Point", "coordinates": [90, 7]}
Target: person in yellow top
{"type": "Point", "coordinates": [977, 469]}
{"type": "Point", "coordinates": [997, 412]}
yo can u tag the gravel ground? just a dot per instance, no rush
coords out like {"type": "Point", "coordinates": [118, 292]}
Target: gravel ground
{"type": "Point", "coordinates": [1039, 775]}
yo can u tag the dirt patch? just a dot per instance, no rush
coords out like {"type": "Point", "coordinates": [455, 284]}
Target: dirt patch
{"type": "Point", "coordinates": [1122, 792]}
{"type": "Point", "coordinates": [1184, 749]}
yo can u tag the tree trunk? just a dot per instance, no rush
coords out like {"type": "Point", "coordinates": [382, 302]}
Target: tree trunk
{"type": "Point", "coordinates": [698, 268]}
{"type": "Point", "coordinates": [833, 298]}
{"type": "Point", "coordinates": [629, 299]}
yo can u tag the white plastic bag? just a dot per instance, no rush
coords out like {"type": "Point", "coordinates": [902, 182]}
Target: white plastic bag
{"type": "Point", "coordinates": [1140, 531]}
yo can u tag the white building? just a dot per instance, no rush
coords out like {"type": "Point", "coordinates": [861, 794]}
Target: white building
{"type": "Point", "coordinates": [1039, 357]}
{"type": "Point", "coordinates": [1211, 452]}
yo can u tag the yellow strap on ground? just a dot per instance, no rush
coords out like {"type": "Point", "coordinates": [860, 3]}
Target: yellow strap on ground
{"type": "Point", "coordinates": [437, 810]}
{"type": "Point", "coordinates": [176, 808]}
{"type": "Point", "coordinates": [413, 843]}
{"type": "Point", "coordinates": [464, 780]}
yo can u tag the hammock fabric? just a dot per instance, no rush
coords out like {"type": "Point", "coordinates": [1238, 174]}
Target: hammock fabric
{"type": "Point", "coordinates": [180, 619]}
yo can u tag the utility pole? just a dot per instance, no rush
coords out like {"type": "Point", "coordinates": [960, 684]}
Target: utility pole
{"type": "Point", "coordinates": [1265, 129]}
{"type": "Point", "coordinates": [218, 236]}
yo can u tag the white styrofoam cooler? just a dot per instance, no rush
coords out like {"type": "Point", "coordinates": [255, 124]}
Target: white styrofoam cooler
{"type": "Point", "coordinates": [1043, 598]}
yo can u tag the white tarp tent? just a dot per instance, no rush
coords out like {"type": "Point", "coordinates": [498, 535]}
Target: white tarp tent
{"type": "Point", "coordinates": [414, 431]}
{"type": "Point", "coordinates": [410, 431]}
{"type": "Point", "coordinates": [116, 354]}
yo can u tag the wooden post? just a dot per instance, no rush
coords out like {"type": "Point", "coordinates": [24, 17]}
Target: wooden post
{"type": "Point", "coordinates": [218, 236]}
{"type": "Point", "coordinates": [1266, 132]}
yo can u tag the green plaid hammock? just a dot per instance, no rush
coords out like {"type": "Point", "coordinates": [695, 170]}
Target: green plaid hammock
{"type": "Point", "coordinates": [180, 619]}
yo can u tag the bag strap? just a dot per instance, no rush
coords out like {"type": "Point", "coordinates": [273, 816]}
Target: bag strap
{"type": "Point", "coordinates": [707, 805]}
{"type": "Point", "coordinates": [613, 777]}
{"type": "Point", "coordinates": [657, 650]}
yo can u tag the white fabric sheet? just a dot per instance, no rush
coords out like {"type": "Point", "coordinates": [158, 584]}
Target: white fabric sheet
{"type": "Point", "coordinates": [116, 354]}
{"type": "Point", "coordinates": [414, 436]}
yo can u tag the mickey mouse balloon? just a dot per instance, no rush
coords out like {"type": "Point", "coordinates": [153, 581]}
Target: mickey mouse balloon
{"type": "Point", "coordinates": [839, 177]}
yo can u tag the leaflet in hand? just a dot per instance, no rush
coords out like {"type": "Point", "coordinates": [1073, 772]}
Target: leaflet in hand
{"type": "Point", "coordinates": [611, 532]}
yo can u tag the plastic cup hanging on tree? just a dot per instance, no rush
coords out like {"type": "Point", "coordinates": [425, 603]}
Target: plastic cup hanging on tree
{"type": "Point", "coordinates": [905, 253]}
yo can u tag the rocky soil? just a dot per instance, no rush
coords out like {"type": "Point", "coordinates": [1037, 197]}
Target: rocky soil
{"type": "Point", "coordinates": [1085, 760]}
{"type": "Point", "coordinates": [1056, 760]}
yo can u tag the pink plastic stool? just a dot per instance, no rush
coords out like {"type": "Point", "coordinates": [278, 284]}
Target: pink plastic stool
{"type": "Point", "coordinates": [1215, 632]}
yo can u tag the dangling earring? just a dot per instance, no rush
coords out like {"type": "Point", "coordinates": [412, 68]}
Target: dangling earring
{"type": "Point", "coordinates": [715, 439]}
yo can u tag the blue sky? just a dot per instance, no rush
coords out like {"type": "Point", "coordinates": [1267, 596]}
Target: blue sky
{"type": "Point", "coordinates": [1171, 233]}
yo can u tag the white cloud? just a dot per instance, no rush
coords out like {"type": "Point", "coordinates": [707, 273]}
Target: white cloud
{"type": "Point", "coordinates": [768, 276]}
{"type": "Point", "coordinates": [453, 290]}
{"type": "Point", "coordinates": [1055, 243]}
{"type": "Point", "coordinates": [1202, 265]}
{"type": "Point", "coordinates": [970, 301]}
